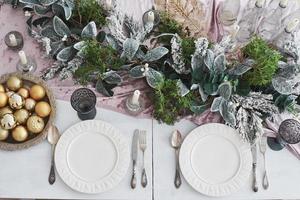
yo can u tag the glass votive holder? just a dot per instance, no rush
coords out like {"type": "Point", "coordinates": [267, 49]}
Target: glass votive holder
{"type": "Point", "coordinates": [14, 40]}
{"type": "Point", "coordinates": [288, 133]}
{"type": "Point", "coordinates": [134, 104]}
{"type": "Point", "coordinates": [83, 100]}
{"type": "Point", "coordinates": [151, 16]}
{"type": "Point", "coordinates": [26, 64]}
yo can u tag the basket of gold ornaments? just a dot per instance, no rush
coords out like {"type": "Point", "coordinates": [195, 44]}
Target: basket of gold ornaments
{"type": "Point", "coordinates": [27, 108]}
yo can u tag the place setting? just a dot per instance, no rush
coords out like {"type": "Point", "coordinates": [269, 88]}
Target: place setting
{"type": "Point", "coordinates": [178, 99]}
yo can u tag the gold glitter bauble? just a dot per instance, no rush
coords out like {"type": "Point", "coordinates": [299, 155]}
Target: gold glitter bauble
{"type": "Point", "coordinates": [8, 121]}
{"type": "Point", "coordinates": [21, 116]}
{"type": "Point", "coordinates": [16, 101]}
{"type": "Point", "coordinates": [30, 104]}
{"type": "Point", "coordinates": [14, 83]}
{"type": "Point", "coordinates": [37, 92]}
{"type": "Point", "coordinates": [3, 134]}
{"type": "Point", "coordinates": [2, 89]}
{"type": "Point", "coordinates": [5, 110]}
{"type": "Point", "coordinates": [35, 124]}
{"type": "Point", "coordinates": [9, 93]}
{"type": "Point", "coordinates": [42, 109]}
{"type": "Point", "coordinates": [20, 133]}
{"type": "Point", "coordinates": [3, 99]}
{"type": "Point", "coordinates": [23, 92]}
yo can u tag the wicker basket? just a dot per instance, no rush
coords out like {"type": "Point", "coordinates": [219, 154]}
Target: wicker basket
{"type": "Point", "coordinates": [30, 79]}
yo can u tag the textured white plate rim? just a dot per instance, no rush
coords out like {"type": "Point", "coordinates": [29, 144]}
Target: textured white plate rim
{"type": "Point", "coordinates": [109, 181]}
{"type": "Point", "coordinates": [230, 186]}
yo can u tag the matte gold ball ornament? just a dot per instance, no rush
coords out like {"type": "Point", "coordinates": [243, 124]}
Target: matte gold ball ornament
{"type": "Point", "coordinates": [5, 110]}
{"type": "Point", "coordinates": [14, 83]}
{"type": "Point", "coordinates": [2, 89]}
{"type": "Point", "coordinates": [23, 92]}
{"type": "Point", "coordinates": [37, 92]}
{"type": "Point", "coordinates": [8, 121]}
{"type": "Point", "coordinates": [16, 101]}
{"type": "Point", "coordinates": [35, 124]}
{"type": "Point", "coordinates": [3, 99]}
{"type": "Point", "coordinates": [42, 109]}
{"type": "Point", "coordinates": [30, 104]}
{"type": "Point", "coordinates": [21, 116]}
{"type": "Point", "coordinates": [20, 133]}
{"type": "Point", "coordinates": [3, 134]}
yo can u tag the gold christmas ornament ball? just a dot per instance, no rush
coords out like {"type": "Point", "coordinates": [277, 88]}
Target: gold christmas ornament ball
{"type": "Point", "coordinates": [23, 92]}
{"type": "Point", "coordinates": [8, 121]}
{"type": "Point", "coordinates": [3, 99]}
{"type": "Point", "coordinates": [37, 92]}
{"type": "Point", "coordinates": [5, 110]}
{"type": "Point", "coordinates": [35, 124]}
{"type": "Point", "coordinates": [2, 89]}
{"type": "Point", "coordinates": [21, 116]}
{"type": "Point", "coordinates": [16, 101]}
{"type": "Point", "coordinates": [14, 83]}
{"type": "Point", "coordinates": [9, 93]}
{"type": "Point", "coordinates": [3, 134]}
{"type": "Point", "coordinates": [30, 104]}
{"type": "Point", "coordinates": [20, 133]}
{"type": "Point", "coordinates": [42, 109]}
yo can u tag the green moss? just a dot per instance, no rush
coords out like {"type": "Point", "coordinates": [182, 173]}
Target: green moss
{"type": "Point", "coordinates": [266, 62]}
{"type": "Point", "coordinates": [168, 104]}
{"type": "Point", "coordinates": [188, 48]}
{"type": "Point", "coordinates": [89, 10]}
{"type": "Point", "coordinates": [97, 60]}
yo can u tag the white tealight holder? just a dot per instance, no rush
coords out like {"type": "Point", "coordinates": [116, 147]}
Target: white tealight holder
{"type": "Point", "coordinates": [134, 104]}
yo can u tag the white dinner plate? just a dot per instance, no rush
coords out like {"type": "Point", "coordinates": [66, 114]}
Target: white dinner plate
{"type": "Point", "coordinates": [92, 157]}
{"type": "Point", "coordinates": [214, 160]}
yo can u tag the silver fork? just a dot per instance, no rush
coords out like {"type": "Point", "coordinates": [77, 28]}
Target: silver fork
{"type": "Point", "coordinates": [143, 146]}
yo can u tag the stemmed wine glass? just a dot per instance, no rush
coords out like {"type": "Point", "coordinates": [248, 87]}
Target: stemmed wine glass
{"type": "Point", "coordinates": [83, 100]}
{"type": "Point", "coordinates": [288, 133]}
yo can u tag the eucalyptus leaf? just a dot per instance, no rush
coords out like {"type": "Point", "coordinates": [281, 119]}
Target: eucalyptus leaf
{"type": "Point", "coordinates": [66, 54]}
{"type": "Point", "coordinates": [102, 88]}
{"type": "Point", "coordinates": [56, 47]}
{"type": "Point", "coordinates": [112, 77]}
{"type": "Point", "coordinates": [111, 41]}
{"type": "Point", "coordinates": [58, 10]}
{"type": "Point", "coordinates": [183, 90]}
{"type": "Point", "coordinates": [60, 27]}
{"type": "Point", "coordinates": [194, 86]}
{"type": "Point", "coordinates": [42, 21]}
{"type": "Point", "coordinates": [47, 2]}
{"type": "Point", "coordinates": [220, 63]}
{"type": "Point", "coordinates": [203, 95]}
{"type": "Point", "coordinates": [198, 109]}
{"type": "Point", "coordinates": [155, 54]}
{"type": "Point", "coordinates": [41, 10]}
{"type": "Point", "coordinates": [67, 12]}
{"type": "Point", "coordinates": [282, 85]}
{"type": "Point", "coordinates": [79, 45]}
{"type": "Point", "coordinates": [216, 104]}
{"type": "Point", "coordinates": [209, 59]}
{"type": "Point", "coordinates": [130, 47]}
{"type": "Point", "coordinates": [196, 62]}
{"type": "Point", "coordinates": [89, 31]}
{"type": "Point", "coordinates": [154, 78]}
{"type": "Point", "coordinates": [225, 111]}
{"type": "Point", "coordinates": [140, 54]}
{"type": "Point", "coordinates": [34, 2]}
{"type": "Point", "coordinates": [137, 71]}
{"type": "Point", "coordinates": [101, 36]}
{"type": "Point", "coordinates": [225, 90]}
{"type": "Point", "coordinates": [49, 32]}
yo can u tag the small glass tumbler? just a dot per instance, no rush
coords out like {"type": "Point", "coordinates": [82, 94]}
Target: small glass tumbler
{"type": "Point", "coordinates": [14, 40]}
{"type": "Point", "coordinates": [288, 133]}
{"type": "Point", "coordinates": [83, 100]}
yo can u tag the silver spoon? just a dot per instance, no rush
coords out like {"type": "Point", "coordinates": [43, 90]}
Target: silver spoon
{"type": "Point", "coordinates": [176, 140]}
{"type": "Point", "coordinates": [52, 137]}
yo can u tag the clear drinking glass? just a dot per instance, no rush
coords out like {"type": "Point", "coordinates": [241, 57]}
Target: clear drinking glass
{"type": "Point", "coordinates": [83, 100]}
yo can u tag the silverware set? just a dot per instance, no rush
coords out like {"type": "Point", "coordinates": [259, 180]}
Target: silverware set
{"type": "Point", "coordinates": [263, 149]}
{"type": "Point", "coordinates": [139, 142]}
{"type": "Point", "coordinates": [176, 140]}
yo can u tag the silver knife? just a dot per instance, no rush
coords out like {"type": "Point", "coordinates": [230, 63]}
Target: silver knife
{"type": "Point", "coordinates": [134, 154]}
{"type": "Point", "coordinates": [254, 162]}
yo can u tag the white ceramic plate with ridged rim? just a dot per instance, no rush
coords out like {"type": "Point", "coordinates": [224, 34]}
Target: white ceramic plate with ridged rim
{"type": "Point", "coordinates": [92, 157]}
{"type": "Point", "coordinates": [214, 160]}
